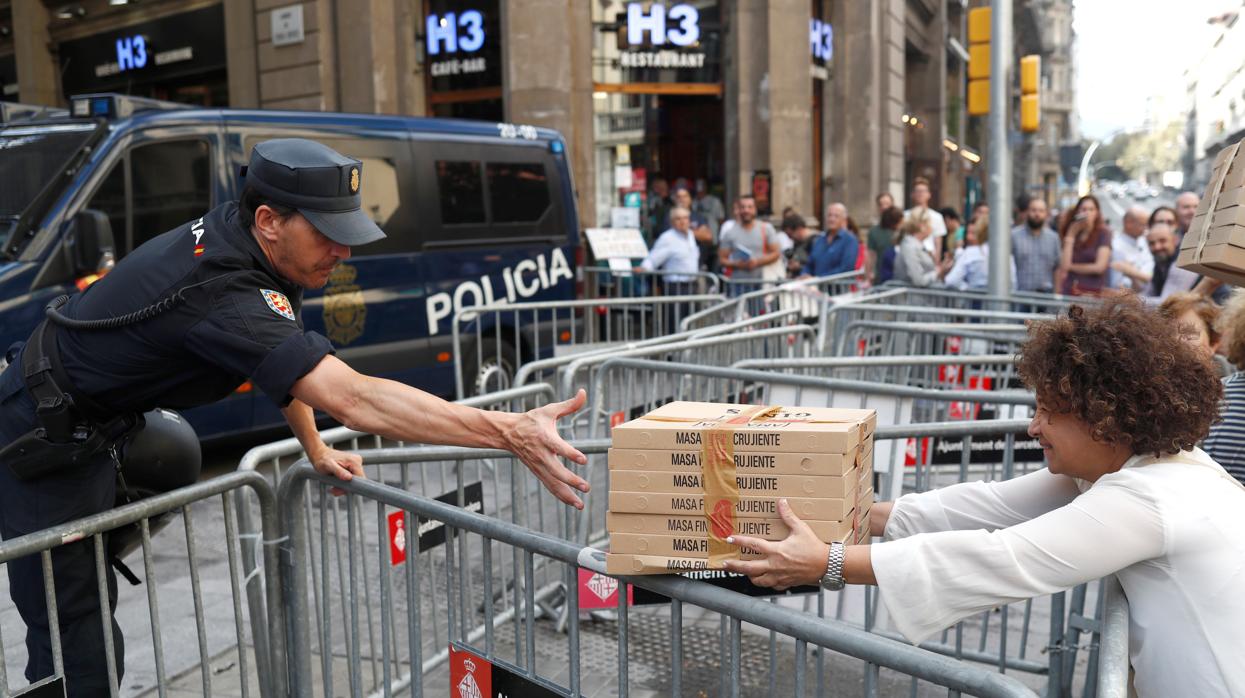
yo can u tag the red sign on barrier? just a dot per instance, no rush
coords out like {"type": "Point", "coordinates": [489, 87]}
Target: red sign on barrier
{"type": "Point", "coordinates": [597, 591]}
{"type": "Point", "coordinates": [397, 538]}
{"type": "Point", "coordinates": [470, 676]}
{"type": "Point", "coordinates": [617, 418]}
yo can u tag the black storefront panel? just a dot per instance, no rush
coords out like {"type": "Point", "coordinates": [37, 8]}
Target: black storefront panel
{"type": "Point", "coordinates": [8, 78]}
{"type": "Point", "coordinates": [161, 50]}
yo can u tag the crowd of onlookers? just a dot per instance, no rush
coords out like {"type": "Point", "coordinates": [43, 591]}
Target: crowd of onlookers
{"type": "Point", "coordinates": [1072, 252]}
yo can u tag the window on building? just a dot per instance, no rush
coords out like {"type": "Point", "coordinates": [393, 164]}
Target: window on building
{"type": "Point", "coordinates": [461, 191]}
{"type": "Point", "coordinates": [518, 191]}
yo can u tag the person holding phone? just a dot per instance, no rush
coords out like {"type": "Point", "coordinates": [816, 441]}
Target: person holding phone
{"type": "Point", "coordinates": [1086, 258]}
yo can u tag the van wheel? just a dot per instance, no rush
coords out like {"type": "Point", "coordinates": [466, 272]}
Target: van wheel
{"type": "Point", "coordinates": [495, 371]}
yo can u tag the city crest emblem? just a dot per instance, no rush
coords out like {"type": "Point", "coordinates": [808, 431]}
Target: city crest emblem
{"type": "Point", "coordinates": [278, 303]}
{"type": "Point", "coordinates": [354, 180]}
{"type": "Point", "coordinates": [344, 309]}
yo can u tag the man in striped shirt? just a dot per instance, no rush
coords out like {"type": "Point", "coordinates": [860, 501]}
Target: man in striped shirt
{"type": "Point", "coordinates": [1226, 440]}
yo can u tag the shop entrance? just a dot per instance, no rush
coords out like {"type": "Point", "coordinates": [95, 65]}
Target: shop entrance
{"type": "Point", "coordinates": [683, 138]}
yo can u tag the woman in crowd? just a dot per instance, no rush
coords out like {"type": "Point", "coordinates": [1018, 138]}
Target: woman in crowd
{"type": "Point", "coordinates": [881, 243]}
{"type": "Point", "coordinates": [1122, 400]}
{"type": "Point", "coordinates": [971, 271]}
{"type": "Point", "coordinates": [1195, 318]}
{"type": "Point", "coordinates": [1226, 442]}
{"type": "Point", "coordinates": [914, 265]}
{"type": "Point", "coordinates": [1086, 249]}
{"type": "Point", "coordinates": [1163, 214]}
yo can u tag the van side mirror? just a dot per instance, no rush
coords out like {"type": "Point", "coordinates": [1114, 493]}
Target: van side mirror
{"type": "Point", "coordinates": [89, 246]}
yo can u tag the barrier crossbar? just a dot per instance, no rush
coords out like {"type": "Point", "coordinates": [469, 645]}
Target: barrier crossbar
{"type": "Point", "coordinates": [792, 631]}
{"type": "Point", "coordinates": [210, 602]}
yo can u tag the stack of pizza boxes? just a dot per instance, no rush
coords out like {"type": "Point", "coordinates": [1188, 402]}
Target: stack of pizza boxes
{"type": "Point", "coordinates": [687, 475]}
{"type": "Point", "coordinates": [1214, 244]}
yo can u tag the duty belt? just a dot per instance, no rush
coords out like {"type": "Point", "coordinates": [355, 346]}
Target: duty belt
{"type": "Point", "coordinates": [72, 428]}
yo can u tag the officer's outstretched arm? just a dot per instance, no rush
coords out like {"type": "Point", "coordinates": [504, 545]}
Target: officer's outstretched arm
{"type": "Point", "coordinates": [398, 411]}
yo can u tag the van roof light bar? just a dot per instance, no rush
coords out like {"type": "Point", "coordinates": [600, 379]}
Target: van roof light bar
{"type": "Point", "coordinates": [116, 106]}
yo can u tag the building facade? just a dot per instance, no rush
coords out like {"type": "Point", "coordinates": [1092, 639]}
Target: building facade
{"type": "Point", "coordinates": [799, 102]}
{"type": "Point", "coordinates": [1215, 98]}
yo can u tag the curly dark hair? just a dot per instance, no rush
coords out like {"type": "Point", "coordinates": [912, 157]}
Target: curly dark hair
{"type": "Point", "coordinates": [1124, 370]}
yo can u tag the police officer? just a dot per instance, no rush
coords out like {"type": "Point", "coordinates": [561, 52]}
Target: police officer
{"type": "Point", "coordinates": [181, 321]}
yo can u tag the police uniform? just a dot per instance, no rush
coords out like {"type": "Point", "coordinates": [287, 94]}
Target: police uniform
{"type": "Point", "coordinates": [233, 318]}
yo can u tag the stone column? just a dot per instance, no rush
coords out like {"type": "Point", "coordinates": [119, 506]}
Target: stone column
{"type": "Point", "coordinates": [38, 80]}
{"type": "Point", "coordinates": [866, 104]}
{"type": "Point", "coordinates": [790, 128]}
{"type": "Point", "coordinates": [241, 54]}
{"type": "Point", "coordinates": [547, 81]}
{"type": "Point", "coordinates": [302, 75]}
{"type": "Point", "coordinates": [367, 79]}
{"type": "Point", "coordinates": [768, 100]}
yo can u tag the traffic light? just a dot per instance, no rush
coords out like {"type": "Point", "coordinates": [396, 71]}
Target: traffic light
{"type": "Point", "coordinates": [1030, 78]}
{"type": "Point", "coordinates": [979, 61]}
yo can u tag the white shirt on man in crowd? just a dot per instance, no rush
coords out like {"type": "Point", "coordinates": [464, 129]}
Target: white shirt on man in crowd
{"type": "Point", "coordinates": [674, 251]}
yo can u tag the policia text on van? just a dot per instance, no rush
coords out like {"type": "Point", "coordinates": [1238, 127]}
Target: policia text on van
{"type": "Point", "coordinates": [473, 212]}
{"type": "Point", "coordinates": [179, 322]}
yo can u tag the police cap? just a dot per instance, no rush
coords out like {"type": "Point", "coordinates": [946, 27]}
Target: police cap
{"type": "Point", "coordinates": [319, 182]}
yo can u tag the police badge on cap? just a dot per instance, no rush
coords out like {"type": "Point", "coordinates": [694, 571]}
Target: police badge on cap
{"type": "Point", "coordinates": [319, 182]}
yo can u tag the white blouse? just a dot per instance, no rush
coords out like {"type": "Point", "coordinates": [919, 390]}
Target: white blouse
{"type": "Point", "coordinates": [1172, 529]}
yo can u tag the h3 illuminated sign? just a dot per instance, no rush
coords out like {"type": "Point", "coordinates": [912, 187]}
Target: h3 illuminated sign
{"type": "Point", "coordinates": [453, 32]}
{"type": "Point", "coordinates": [131, 53]}
{"type": "Point", "coordinates": [678, 25]}
{"type": "Point", "coordinates": [820, 39]}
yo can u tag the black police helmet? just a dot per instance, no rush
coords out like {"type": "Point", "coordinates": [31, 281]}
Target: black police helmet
{"type": "Point", "coordinates": [160, 457]}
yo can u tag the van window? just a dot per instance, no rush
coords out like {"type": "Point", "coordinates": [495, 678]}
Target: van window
{"type": "Point", "coordinates": [171, 185]}
{"type": "Point", "coordinates": [381, 196]}
{"type": "Point", "coordinates": [518, 191]}
{"type": "Point", "coordinates": [462, 192]}
{"type": "Point", "coordinates": [110, 198]}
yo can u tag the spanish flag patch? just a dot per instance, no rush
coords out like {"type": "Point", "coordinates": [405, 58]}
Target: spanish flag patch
{"type": "Point", "coordinates": [198, 250]}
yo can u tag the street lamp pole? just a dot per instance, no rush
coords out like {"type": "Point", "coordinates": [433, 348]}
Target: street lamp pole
{"type": "Point", "coordinates": [1000, 194]}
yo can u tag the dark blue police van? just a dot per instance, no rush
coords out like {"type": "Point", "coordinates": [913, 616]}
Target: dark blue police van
{"type": "Point", "coordinates": [475, 213]}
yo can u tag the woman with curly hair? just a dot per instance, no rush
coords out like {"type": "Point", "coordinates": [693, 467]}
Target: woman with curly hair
{"type": "Point", "coordinates": [1122, 400]}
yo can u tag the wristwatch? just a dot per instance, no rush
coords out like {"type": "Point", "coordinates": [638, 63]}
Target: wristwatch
{"type": "Point", "coordinates": [833, 578]}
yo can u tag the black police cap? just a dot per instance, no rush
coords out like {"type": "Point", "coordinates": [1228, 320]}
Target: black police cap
{"type": "Point", "coordinates": [319, 182]}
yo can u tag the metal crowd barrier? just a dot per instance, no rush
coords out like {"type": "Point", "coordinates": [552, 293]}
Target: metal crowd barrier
{"type": "Point", "coordinates": [548, 369]}
{"type": "Point", "coordinates": [603, 282]}
{"type": "Point", "coordinates": [972, 372]}
{"type": "Point", "coordinates": [1016, 301]}
{"type": "Point", "coordinates": [500, 336]}
{"type": "Point", "coordinates": [749, 298]}
{"type": "Point", "coordinates": [848, 325]}
{"type": "Point", "coordinates": [435, 473]}
{"type": "Point", "coordinates": [184, 618]}
{"type": "Point", "coordinates": [895, 338]}
{"type": "Point", "coordinates": [1113, 658]}
{"type": "Point", "coordinates": [534, 659]}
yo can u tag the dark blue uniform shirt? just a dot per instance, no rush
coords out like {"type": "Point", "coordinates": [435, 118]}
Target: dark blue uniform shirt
{"type": "Point", "coordinates": [243, 322]}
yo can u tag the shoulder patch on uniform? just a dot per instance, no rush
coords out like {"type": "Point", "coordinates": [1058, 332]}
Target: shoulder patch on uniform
{"type": "Point", "coordinates": [277, 303]}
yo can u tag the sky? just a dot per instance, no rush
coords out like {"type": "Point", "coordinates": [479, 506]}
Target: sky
{"type": "Point", "coordinates": [1128, 50]}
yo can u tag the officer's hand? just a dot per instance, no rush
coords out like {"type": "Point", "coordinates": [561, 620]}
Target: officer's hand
{"type": "Point", "coordinates": [800, 558]}
{"type": "Point", "coordinates": [535, 440]}
{"type": "Point", "coordinates": [340, 464]}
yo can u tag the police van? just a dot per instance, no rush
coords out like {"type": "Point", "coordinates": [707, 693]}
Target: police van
{"type": "Point", "coordinates": [475, 213]}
